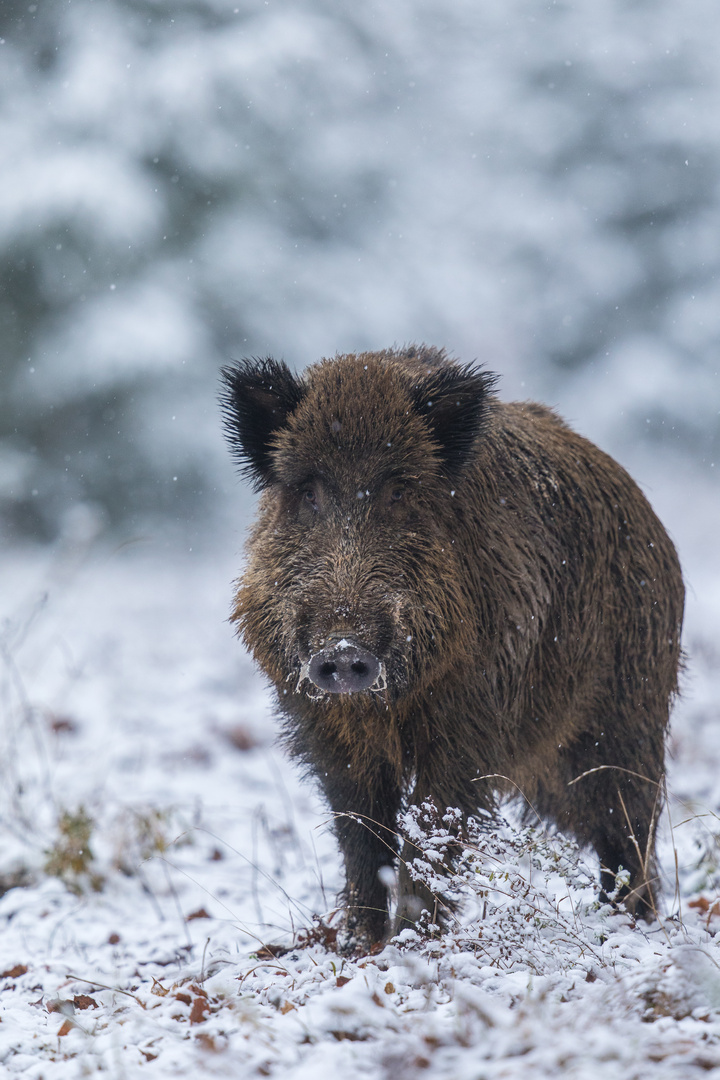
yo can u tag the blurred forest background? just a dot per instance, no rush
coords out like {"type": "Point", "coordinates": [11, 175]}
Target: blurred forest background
{"type": "Point", "coordinates": [183, 182]}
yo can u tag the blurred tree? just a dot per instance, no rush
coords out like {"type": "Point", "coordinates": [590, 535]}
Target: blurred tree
{"type": "Point", "coordinates": [182, 181]}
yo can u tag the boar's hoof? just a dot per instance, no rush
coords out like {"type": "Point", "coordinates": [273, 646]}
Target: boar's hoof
{"type": "Point", "coordinates": [344, 668]}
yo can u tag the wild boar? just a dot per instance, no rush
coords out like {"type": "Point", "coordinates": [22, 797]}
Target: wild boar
{"type": "Point", "coordinates": [453, 596]}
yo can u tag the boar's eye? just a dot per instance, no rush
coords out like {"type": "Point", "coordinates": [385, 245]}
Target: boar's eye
{"type": "Point", "coordinates": [309, 497]}
{"type": "Point", "coordinates": [395, 493]}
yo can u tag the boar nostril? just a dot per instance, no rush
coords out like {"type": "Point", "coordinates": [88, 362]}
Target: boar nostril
{"type": "Point", "coordinates": [343, 668]}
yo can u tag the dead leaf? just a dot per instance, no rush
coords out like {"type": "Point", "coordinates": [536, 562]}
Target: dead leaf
{"type": "Point", "coordinates": [60, 1005]}
{"type": "Point", "coordinates": [65, 1028]}
{"type": "Point", "coordinates": [201, 913]}
{"type": "Point", "coordinates": [269, 952]}
{"type": "Point", "coordinates": [286, 1007]}
{"type": "Point", "coordinates": [702, 904]}
{"type": "Point", "coordinates": [241, 738]}
{"type": "Point", "coordinates": [199, 1008]}
{"type": "Point", "coordinates": [208, 1042]}
{"type": "Point", "coordinates": [158, 989]}
{"type": "Point", "coordinates": [84, 1001]}
{"type": "Point", "coordinates": [14, 972]}
{"type": "Point", "coordinates": [319, 934]}
{"type": "Point", "coordinates": [62, 725]}
{"type": "Point", "coordinates": [342, 980]}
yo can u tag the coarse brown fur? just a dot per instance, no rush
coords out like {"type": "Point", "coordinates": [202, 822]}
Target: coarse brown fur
{"type": "Point", "coordinates": [524, 600]}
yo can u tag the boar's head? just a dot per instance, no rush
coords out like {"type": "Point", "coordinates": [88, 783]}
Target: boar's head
{"type": "Point", "coordinates": [350, 586]}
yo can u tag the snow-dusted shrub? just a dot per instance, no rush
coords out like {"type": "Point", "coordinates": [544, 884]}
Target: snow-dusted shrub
{"type": "Point", "coordinates": [519, 895]}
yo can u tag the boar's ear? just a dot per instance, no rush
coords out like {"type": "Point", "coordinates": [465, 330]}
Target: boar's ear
{"type": "Point", "coordinates": [256, 399]}
{"type": "Point", "coordinates": [454, 402]}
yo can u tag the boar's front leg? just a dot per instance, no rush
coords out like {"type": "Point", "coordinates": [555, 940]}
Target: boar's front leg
{"type": "Point", "coordinates": [366, 811]}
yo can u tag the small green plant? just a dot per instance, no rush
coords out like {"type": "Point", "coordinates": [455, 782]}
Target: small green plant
{"type": "Point", "coordinates": [71, 858]}
{"type": "Point", "coordinates": [146, 833]}
{"type": "Point", "coordinates": [152, 832]}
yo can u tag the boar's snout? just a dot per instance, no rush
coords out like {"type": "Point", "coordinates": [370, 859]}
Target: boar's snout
{"type": "Point", "coordinates": [345, 667]}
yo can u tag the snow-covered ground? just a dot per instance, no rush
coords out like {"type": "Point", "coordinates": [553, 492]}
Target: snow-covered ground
{"type": "Point", "coordinates": [183, 182]}
{"type": "Point", "coordinates": [137, 762]}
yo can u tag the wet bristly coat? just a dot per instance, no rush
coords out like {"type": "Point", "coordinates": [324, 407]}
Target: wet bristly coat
{"type": "Point", "coordinates": [452, 596]}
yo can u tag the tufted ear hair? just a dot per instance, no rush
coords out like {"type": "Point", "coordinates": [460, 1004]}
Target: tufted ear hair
{"type": "Point", "coordinates": [257, 397]}
{"type": "Point", "coordinates": [454, 401]}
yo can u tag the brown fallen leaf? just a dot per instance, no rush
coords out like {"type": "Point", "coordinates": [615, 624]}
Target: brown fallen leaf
{"type": "Point", "coordinates": [84, 1001]}
{"type": "Point", "coordinates": [208, 1042]}
{"type": "Point", "coordinates": [199, 1008]}
{"type": "Point", "coordinates": [201, 913]}
{"type": "Point", "coordinates": [269, 952]}
{"type": "Point", "coordinates": [60, 1005]}
{"type": "Point", "coordinates": [14, 972]}
{"type": "Point", "coordinates": [702, 904]}
{"type": "Point", "coordinates": [241, 738]}
{"type": "Point", "coordinates": [65, 1028]}
{"type": "Point", "coordinates": [62, 725]}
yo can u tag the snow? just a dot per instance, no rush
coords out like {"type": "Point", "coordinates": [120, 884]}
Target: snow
{"type": "Point", "coordinates": [125, 697]}
{"type": "Point", "coordinates": [183, 182]}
